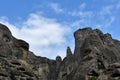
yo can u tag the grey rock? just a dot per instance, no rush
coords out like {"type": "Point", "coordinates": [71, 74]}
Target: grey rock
{"type": "Point", "coordinates": [96, 57]}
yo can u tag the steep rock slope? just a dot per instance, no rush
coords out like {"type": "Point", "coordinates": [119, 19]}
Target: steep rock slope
{"type": "Point", "coordinates": [96, 57]}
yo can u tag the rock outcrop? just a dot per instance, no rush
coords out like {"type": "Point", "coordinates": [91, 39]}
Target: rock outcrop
{"type": "Point", "coordinates": [96, 57]}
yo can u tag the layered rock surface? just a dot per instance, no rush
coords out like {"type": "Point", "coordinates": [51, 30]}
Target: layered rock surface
{"type": "Point", "coordinates": [96, 57]}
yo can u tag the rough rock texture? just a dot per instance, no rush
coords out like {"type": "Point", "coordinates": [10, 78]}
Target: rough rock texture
{"type": "Point", "coordinates": [96, 57]}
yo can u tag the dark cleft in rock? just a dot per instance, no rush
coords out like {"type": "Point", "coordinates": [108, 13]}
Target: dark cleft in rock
{"type": "Point", "coordinates": [96, 57]}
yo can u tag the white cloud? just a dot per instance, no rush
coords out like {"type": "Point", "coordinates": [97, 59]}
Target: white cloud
{"type": "Point", "coordinates": [103, 18]}
{"type": "Point", "coordinates": [106, 16]}
{"type": "Point", "coordinates": [106, 23]}
{"type": "Point", "coordinates": [82, 14]}
{"type": "Point", "coordinates": [110, 21]}
{"type": "Point", "coordinates": [78, 23]}
{"type": "Point", "coordinates": [45, 36]}
{"type": "Point", "coordinates": [56, 7]}
{"type": "Point", "coordinates": [107, 10]}
{"type": "Point", "coordinates": [83, 6]}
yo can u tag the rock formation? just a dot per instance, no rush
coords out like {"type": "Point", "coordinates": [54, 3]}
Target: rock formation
{"type": "Point", "coordinates": [96, 57]}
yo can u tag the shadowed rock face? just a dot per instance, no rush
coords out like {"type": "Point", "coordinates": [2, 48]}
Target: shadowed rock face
{"type": "Point", "coordinates": [96, 57]}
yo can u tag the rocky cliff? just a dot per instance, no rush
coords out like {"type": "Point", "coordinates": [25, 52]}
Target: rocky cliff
{"type": "Point", "coordinates": [96, 57]}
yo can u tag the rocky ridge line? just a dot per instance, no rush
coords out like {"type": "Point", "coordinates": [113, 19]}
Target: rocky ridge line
{"type": "Point", "coordinates": [96, 57]}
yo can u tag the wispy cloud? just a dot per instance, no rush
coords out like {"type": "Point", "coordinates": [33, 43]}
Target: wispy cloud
{"type": "Point", "coordinates": [56, 7]}
{"type": "Point", "coordinates": [83, 16]}
{"type": "Point", "coordinates": [81, 12]}
{"type": "Point", "coordinates": [106, 16]}
{"type": "Point", "coordinates": [105, 23]}
{"type": "Point", "coordinates": [46, 36]}
{"type": "Point", "coordinates": [83, 6]}
{"type": "Point", "coordinates": [110, 21]}
{"type": "Point", "coordinates": [102, 18]}
{"type": "Point", "coordinates": [107, 10]}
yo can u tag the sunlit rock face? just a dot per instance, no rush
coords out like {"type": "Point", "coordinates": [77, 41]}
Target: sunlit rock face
{"type": "Point", "coordinates": [96, 57]}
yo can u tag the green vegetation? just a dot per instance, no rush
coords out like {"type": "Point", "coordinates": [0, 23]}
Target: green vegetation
{"type": "Point", "coordinates": [92, 78]}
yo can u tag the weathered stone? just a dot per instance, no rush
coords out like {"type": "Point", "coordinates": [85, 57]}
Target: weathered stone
{"type": "Point", "coordinates": [69, 52]}
{"type": "Point", "coordinates": [96, 57]}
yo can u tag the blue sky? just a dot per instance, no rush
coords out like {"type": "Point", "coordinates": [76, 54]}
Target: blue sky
{"type": "Point", "coordinates": [48, 25]}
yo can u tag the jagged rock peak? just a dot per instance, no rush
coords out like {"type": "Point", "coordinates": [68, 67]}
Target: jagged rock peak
{"type": "Point", "coordinates": [88, 38]}
{"type": "Point", "coordinates": [69, 52]}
